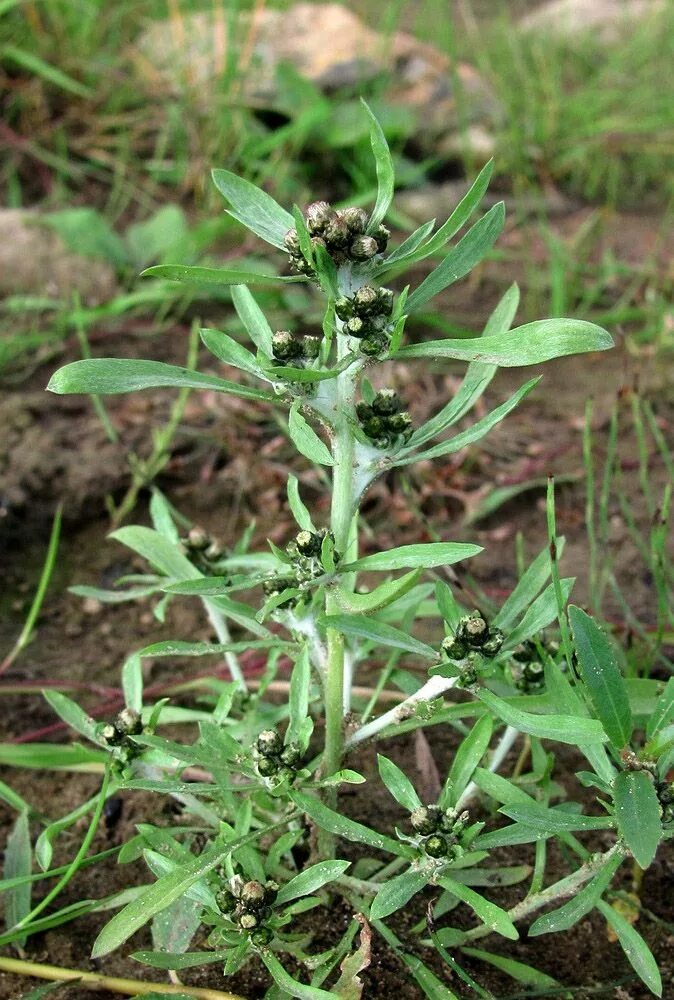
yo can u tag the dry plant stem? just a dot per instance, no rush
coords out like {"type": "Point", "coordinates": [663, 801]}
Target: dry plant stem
{"type": "Point", "coordinates": [222, 632]}
{"type": "Point", "coordinates": [431, 689]}
{"type": "Point", "coordinates": [111, 984]}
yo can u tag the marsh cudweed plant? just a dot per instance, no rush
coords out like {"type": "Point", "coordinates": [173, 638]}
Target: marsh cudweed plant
{"type": "Point", "coordinates": [262, 832]}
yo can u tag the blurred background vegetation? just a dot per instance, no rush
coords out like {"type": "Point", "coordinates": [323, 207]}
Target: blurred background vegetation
{"type": "Point", "coordinates": [114, 113]}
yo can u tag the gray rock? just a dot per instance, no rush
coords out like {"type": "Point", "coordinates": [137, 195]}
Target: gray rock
{"type": "Point", "coordinates": [609, 20]}
{"type": "Point", "coordinates": [332, 47]}
{"type": "Point", "coordinates": [35, 261]}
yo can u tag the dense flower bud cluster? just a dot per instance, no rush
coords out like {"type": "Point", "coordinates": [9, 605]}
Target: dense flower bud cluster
{"type": "Point", "coordinates": [202, 548]}
{"type": "Point", "coordinates": [439, 831]}
{"type": "Point", "coordinates": [383, 420]}
{"type": "Point", "coordinates": [249, 905]}
{"type": "Point", "coordinates": [273, 758]}
{"type": "Point", "coordinates": [473, 634]}
{"type": "Point", "coordinates": [117, 735]}
{"type": "Point", "coordinates": [341, 233]}
{"type": "Point", "coordinates": [305, 551]}
{"type": "Point", "coordinates": [366, 317]}
{"type": "Point", "coordinates": [277, 583]}
{"type": "Point", "coordinates": [527, 670]}
{"type": "Point", "coordinates": [665, 792]}
{"type": "Point", "coordinates": [288, 349]}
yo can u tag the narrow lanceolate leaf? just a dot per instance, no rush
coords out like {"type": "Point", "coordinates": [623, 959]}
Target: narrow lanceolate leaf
{"type": "Point", "coordinates": [664, 711]}
{"type": "Point", "coordinates": [254, 208]}
{"type": "Point", "coordinates": [253, 318]}
{"type": "Point", "coordinates": [385, 172]}
{"type": "Point", "coordinates": [288, 986]}
{"type": "Point", "coordinates": [539, 817]}
{"type": "Point", "coordinates": [471, 751]}
{"type": "Point", "coordinates": [637, 812]}
{"type": "Point", "coordinates": [489, 913]}
{"type": "Point", "coordinates": [516, 970]}
{"type": "Point", "coordinates": [563, 728]}
{"type": "Point", "coordinates": [528, 587]}
{"type": "Point", "coordinates": [306, 440]}
{"type": "Point", "coordinates": [109, 376]}
{"type": "Point", "coordinates": [298, 700]}
{"type": "Point", "coordinates": [395, 893]}
{"type": "Point", "coordinates": [603, 681]}
{"type": "Point", "coordinates": [72, 714]}
{"type": "Point", "coordinates": [531, 344]}
{"type": "Point", "coordinates": [18, 864]}
{"type": "Point", "coordinates": [297, 506]}
{"type": "Point", "coordinates": [158, 550]}
{"type": "Point", "coordinates": [540, 613]}
{"type": "Point", "coordinates": [426, 555]}
{"type": "Point", "coordinates": [381, 597]}
{"type": "Point", "coordinates": [379, 633]}
{"type": "Point", "coordinates": [461, 259]}
{"type": "Point", "coordinates": [460, 215]}
{"type": "Point", "coordinates": [580, 904]}
{"type": "Point", "coordinates": [214, 275]}
{"type": "Point", "coordinates": [311, 880]}
{"type": "Point", "coordinates": [636, 950]}
{"type": "Point", "coordinates": [407, 248]}
{"type": "Point", "coordinates": [398, 784]}
{"type": "Point", "coordinates": [227, 350]}
{"type": "Point", "coordinates": [347, 828]}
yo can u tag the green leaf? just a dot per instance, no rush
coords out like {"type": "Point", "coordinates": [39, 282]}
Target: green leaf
{"type": "Point", "coordinates": [469, 754]}
{"type": "Point", "coordinates": [397, 892]}
{"type": "Point", "coordinates": [379, 633]}
{"type": "Point", "coordinates": [50, 756]}
{"type": "Point", "coordinates": [385, 172]}
{"type": "Point", "coordinates": [516, 970]}
{"type": "Point", "coordinates": [664, 711]}
{"type": "Point", "coordinates": [17, 865]}
{"type": "Point", "coordinates": [460, 260]}
{"type": "Point", "coordinates": [539, 817]}
{"type": "Point", "coordinates": [530, 344]}
{"type": "Point", "coordinates": [132, 683]}
{"type": "Point", "coordinates": [254, 208]}
{"type": "Point", "coordinates": [407, 248]}
{"type": "Point", "coordinates": [381, 597]}
{"type": "Point", "coordinates": [331, 821]}
{"type": "Point", "coordinates": [72, 714]}
{"type": "Point", "coordinates": [426, 555]}
{"type": "Point", "coordinates": [306, 440]}
{"type": "Point", "coordinates": [471, 434]}
{"type": "Point", "coordinates": [529, 585]}
{"type": "Point", "coordinates": [637, 812]}
{"type": "Point", "coordinates": [108, 376]}
{"type": "Point", "coordinates": [563, 728]}
{"type": "Point", "coordinates": [227, 350]}
{"type": "Point", "coordinates": [433, 988]}
{"type": "Point", "coordinates": [88, 233]}
{"type": "Point", "coordinates": [461, 213]}
{"type": "Point", "coordinates": [215, 275]}
{"type": "Point", "coordinates": [489, 913]}
{"type": "Point", "coordinates": [174, 928]}
{"type": "Point", "coordinates": [179, 648]}
{"type": "Point", "coordinates": [181, 960]}
{"type": "Point", "coordinates": [253, 319]}
{"type": "Point", "coordinates": [601, 675]}
{"type": "Point", "coordinates": [581, 904]}
{"type": "Point", "coordinates": [290, 987]}
{"type": "Point", "coordinates": [637, 951]}
{"type": "Point", "coordinates": [298, 698]}
{"type": "Point", "coordinates": [297, 506]}
{"type": "Point", "coordinates": [541, 612]}
{"type": "Point", "coordinates": [311, 880]}
{"type": "Point", "coordinates": [31, 62]}
{"type": "Point", "coordinates": [398, 784]}
{"type": "Point", "coordinates": [158, 550]}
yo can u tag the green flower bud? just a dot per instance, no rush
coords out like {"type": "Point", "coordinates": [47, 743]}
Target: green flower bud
{"type": "Point", "coordinates": [317, 216]}
{"type": "Point", "coordinates": [386, 402]}
{"type": "Point", "coordinates": [374, 427]}
{"type": "Point", "coordinates": [214, 550]}
{"type": "Point", "coordinates": [198, 539]}
{"type": "Point", "coordinates": [253, 895]}
{"type": "Point", "coordinates": [269, 742]}
{"type": "Point", "coordinates": [378, 324]}
{"type": "Point", "coordinates": [343, 309]}
{"type": "Point", "coordinates": [356, 327]}
{"type": "Point", "coordinates": [356, 219]}
{"type": "Point", "coordinates": [248, 921]}
{"type": "Point", "coordinates": [284, 346]}
{"type": "Point", "coordinates": [236, 884]}
{"type": "Point", "coordinates": [454, 649]}
{"type": "Point", "coordinates": [492, 646]}
{"type": "Point", "coordinates": [363, 248]}
{"type": "Point", "coordinates": [128, 722]}
{"type": "Point", "coordinates": [382, 235]}
{"type": "Point", "coordinates": [226, 900]}
{"type": "Point", "coordinates": [291, 755]}
{"type": "Point", "coordinates": [436, 846]}
{"type": "Point", "coordinates": [365, 300]}
{"type": "Point", "coordinates": [277, 584]}
{"type": "Point", "coordinates": [473, 629]}
{"type": "Point", "coordinates": [292, 242]}
{"type": "Point", "coordinates": [262, 937]}
{"type": "Point", "coordinates": [336, 234]}
{"type": "Point", "coordinates": [426, 820]}
{"type": "Point", "coordinates": [386, 298]}
{"type": "Point", "coordinates": [400, 423]}
{"type": "Point", "coordinates": [373, 346]}
{"type": "Point", "coordinates": [311, 347]}
{"type": "Point", "coordinates": [364, 411]}
{"type": "Point", "coordinates": [267, 767]}
{"type": "Point", "coordinates": [112, 736]}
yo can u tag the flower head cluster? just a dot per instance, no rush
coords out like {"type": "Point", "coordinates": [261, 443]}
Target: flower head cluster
{"type": "Point", "coordinates": [305, 551]}
{"type": "Point", "coordinates": [273, 758]}
{"type": "Point", "coordinates": [367, 317]}
{"type": "Point", "coordinates": [527, 670]}
{"type": "Point", "coordinates": [202, 548]}
{"type": "Point", "coordinates": [288, 349]}
{"type": "Point", "coordinates": [665, 791]}
{"type": "Point", "coordinates": [249, 906]}
{"type": "Point", "coordinates": [383, 420]}
{"type": "Point", "coordinates": [473, 634]}
{"type": "Point", "coordinates": [341, 233]}
{"type": "Point", "coordinates": [118, 735]}
{"type": "Point", "coordinates": [439, 831]}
